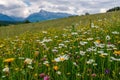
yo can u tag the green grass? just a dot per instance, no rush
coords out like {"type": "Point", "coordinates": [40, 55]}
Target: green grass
{"type": "Point", "coordinates": [75, 48]}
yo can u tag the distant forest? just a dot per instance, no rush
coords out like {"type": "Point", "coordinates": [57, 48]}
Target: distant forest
{"type": "Point", "coordinates": [6, 23]}
{"type": "Point", "coordinates": [114, 9]}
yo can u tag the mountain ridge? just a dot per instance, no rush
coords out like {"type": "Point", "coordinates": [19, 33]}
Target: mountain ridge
{"type": "Point", "coordinates": [42, 15]}
{"type": "Point", "coordinates": [4, 17]}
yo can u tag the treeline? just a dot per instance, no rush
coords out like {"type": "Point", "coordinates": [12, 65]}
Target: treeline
{"type": "Point", "coordinates": [114, 9]}
{"type": "Point", "coordinates": [6, 23]}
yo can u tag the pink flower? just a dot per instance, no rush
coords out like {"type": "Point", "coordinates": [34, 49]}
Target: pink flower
{"type": "Point", "coordinates": [93, 75]}
{"type": "Point", "coordinates": [46, 78]}
{"type": "Point", "coordinates": [42, 75]}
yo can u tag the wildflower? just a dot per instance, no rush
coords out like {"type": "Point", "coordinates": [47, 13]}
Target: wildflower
{"type": "Point", "coordinates": [46, 40]}
{"type": "Point", "coordinates": [74, 63]}
{"type": "Point", "coordinates": [101, 45]}
{"type": "Point", "coordinates": [114, 59]}
{"type": "Point", "coordinates": [61, 45]}
{"type": "Point", "coordinates": [82, 53]}
{"type": "Point", "coordinates": [58, 72]}
{"type": "Point", "coordinates": [28, 61]}
{"type": "Point", "coordinates": [46, 78]}
{"type": "Point", "coordinates": [107, 71]}
{"type": "Point", "coordinates": [9, 60]}
{"type": "Point", "coordinates": [53, 61]}
{"type": "Point", "coordinates": [89, 39]}
{"type": "Point", "coordinates": [1, 45]}
{"type": "Point", "coordinates": [94, 64]}
{"type": "Point", "coordinates": [93, 75]}
{"type": "Point", "coordinates": [30, 67]}
{"type": "Point", "coordinates": [92, 25]}
{"type": "Point", "coordinates": [55, 68]}
{"type": "Point", "coordinates": [6, 69]}
{"type": "Point", "coordinates": [45, 32]}
{"type": "Point", "coordinates": [36, 53]}
{"type": "Point", "coordinates": [42, 75]}
{"type": "Point", "coordinates": [44, 59]}
{"type": "Point", "coordinates": [108, 37]}
{"type": "Point", "coordinates": [97, 41]}
{"type": "Point", "coordinates": [55, 50]}
{"type": "Point", "coordinates": [35, 74]}
{"type": "Point", "coordinates": [78, 74]}
{"type": "Point", "coordinates": [83, 43]}
{"type": "Point", "coordinates": [46, 63]}
{"type": "Point", "coordinates": [101, 55]}
{"type": "Point", "coordinates": [16, 69]}
{"type": "Point", "coordinates": [21, 58]}
{"type": "Point", "coordinates": [61, 58]}
{"type": "Point", "coordinates": [90, 61]}
{"type": "Point", "coordinates": [115, 32]}
{"type": "Point", "coordinates": [117, 52]}
{"type": "Point", "coordinates": [74, 33]}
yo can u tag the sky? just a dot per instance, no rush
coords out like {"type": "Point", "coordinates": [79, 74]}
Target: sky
{"type": "Point", "coordinates": [23, 8]}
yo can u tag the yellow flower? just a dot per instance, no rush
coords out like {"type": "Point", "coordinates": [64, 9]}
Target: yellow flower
{"type": "Point", "coordinates": [1, 45]}
{"type": "Point", "coordinates": [35, 74]}
{"type": "Point", "coordinates": [101, 55]}
{"type": "Point", "coordinates": [36, 53]}
{"type": "Point", "coordinates": [62, 53]}
{"type": "Point", "coordinates": [53, 61]}
{"type": "Point", "coordinates": [47, 65]}
{"type": "Point", "coordinates": [16, 69]}
{"type": "Point", "coordinates": [55, 68]}
{"type": "Point", "coordinates": [9, 60]}
{"type": "Point", "coordinates": [117, 52]}
{"type": "Point", "coordinates": [118, 42]}
{"type": "Point", "coordinates": [97, 41]}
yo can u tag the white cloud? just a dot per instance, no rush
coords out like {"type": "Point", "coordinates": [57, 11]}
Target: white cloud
{"type": "Point", "coordinates": [14, 8]}
{"type": "Point", "coordinates": [102, 10]}
{"type": "Point", "coordinates": [22, 8]}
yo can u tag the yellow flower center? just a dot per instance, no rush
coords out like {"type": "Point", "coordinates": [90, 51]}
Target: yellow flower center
{"type": "Point", "coordinates": [62, 59]}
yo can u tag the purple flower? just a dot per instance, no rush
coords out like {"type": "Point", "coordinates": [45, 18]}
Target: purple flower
{"type": "Point", "coordinates": [46, 78]}
{"type": "Point", "coordinates": [107, 71]}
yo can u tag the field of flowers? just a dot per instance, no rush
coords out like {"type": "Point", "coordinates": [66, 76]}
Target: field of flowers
{"type": "Point", "coordinates": [77, 52]}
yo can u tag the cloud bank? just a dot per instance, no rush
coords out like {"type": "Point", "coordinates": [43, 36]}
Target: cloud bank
{"type": "Point", "coordinates": [23, 8]}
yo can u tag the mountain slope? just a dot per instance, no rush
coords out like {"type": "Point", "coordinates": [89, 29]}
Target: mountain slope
{"type": "Point", "coordinates": [17, 18]}
{"type": "Point", "coordinates": [45, 15]}
{"type": "Point", "coordinates": [5, 18]}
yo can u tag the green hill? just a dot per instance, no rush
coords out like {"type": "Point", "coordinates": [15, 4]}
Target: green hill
{"type": "Point", "coordinates": [14, 30]}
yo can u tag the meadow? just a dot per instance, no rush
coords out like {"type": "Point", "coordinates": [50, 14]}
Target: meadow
{"type": "Point", "coordinates": [75, 48]}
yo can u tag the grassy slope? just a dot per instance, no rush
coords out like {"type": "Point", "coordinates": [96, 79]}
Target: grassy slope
{"type": "Point", "coordinates": [84, 53]}
{"type": "Point", "coordinates": [14, 30]}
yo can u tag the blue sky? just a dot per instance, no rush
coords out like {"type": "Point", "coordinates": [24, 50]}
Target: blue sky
{"type": "Point", "coordinates": [23, 8]}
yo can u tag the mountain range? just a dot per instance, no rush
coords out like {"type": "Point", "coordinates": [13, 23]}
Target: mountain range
{"type": "Point", "coordinates": [5, 18]}
{"type": "Point", "coordinates": [42, 15]}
